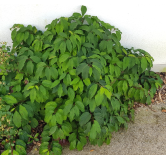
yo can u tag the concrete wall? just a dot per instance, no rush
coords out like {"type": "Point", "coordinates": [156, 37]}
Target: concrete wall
{"type": "Point", "coordinates": [142, 22]}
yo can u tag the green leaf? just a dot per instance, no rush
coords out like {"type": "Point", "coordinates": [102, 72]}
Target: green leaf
{"type": "Point", "coordinates": [10, 99]}
{"type": "Point", "coordinates": [112, 69]}
{"type": "Point", "coordinates": [92, 90]}
{"type": "Point", "coordinates": [34, 123]}
{"type": "Point", "coordinates": [79, 146]}
{"type": "Point", "coordinates": [85, 72]}
{"type": "Point", "coordinates": [143, 63]}
{"type": "Point", "coordinates": [63, 57]}
{"type": "Point", "coordinates": [72, 72]}
{"type": "Point", "coordinates": [125, 62]}
{"type": "Point", "coordinates": [72, 145]}
{"type": "Point", "coordinates": [43, 148]}
{"type": "Point", "coordinates": [92, 105]}
{"type": "Point", "coordinates": [33, 95]}
{"type": "Point", "coordinates": [71, 93]}
{"type": "Point", "coordinates": [17, 119]}
{"type": "Point", "coordinates": [94, 130]}
{"type": "Point", "coordinates": [75, 80]}
{"type": "Point", "coordinates": [84, 118]}
{"type": "Point", "coordinates": [79, 32]}
{"type": "Point", "coordinates": [30, 67]}
{"type": "Point", "coordinates": [60, 90]}
{"type": "Point", "coordinates": [83, 10]}
{"type": "Point", "coordinates": [27, 128]}
{"type": "Point", "coordinates": [62, 47]}
{"type": "Point", "coordinates": [55, 83]}
{"type": "Point", "coordinates": [54, 73]}
{"type": "Point", "coordinates": [19, 76]}
{"type": "Point", "coordinates": [39, 72]}
{"type": "Point", "coordinates": [47, 83]}
{"type": "Point", "coordinates": [42, 90]}
{"type": "Point", "coordinates": [15, 152]}
{"type": "Point", "coordinates": [37, 45]}
{"type": "Point", "coordinates": [24, 136]}
{"type": "Point", "coordinates": [108, 93]}
{"type": "Point", "coordinates": [46, 46]}
{"type": "Point", "coordinates": [96, 74]}
{"type": "Point", "coordinates": [121, 120]}
{"type": "Point", "coordinates": [137, 95]}
{"type": "Point", "coordinates": [74, 111]}
{"type": "Point", "coordinates": [69, 45]}
{"type": "Point", "coordinates": [48, 114]}
{"type": "Point", "coordinates": [13, 34]}
{"type": "Point", "coordinates": [51, 104]}
{"type": "Point", "coordinates": [73, 40]}
{"type": "Point", "coordinates": [125, 86]}
{"type": "Point", "coordinates": [23, 112]}
{"type": "Point", "coordinates": [67, 108]}
{"type": "Point", "coordinates": [118, 34]}
{"type": "Point", "coordinates": [148, 101]}
{"type": "Point", "coordinates": [30, 39]}
{"type": "Point", "coordinates": [45, 55]}
{"type": "Point", "coordinates": [6, 152]}
{"type": "Point", "coordinates": [88, 45]}
{"type": "Point", "coordinates": [81, 86]}
{"type": "Point", "coordinates": [20, 37]}
{"type": "Point", "coordinates": [26, 35]}
{"type": "Point", "coordinates": [53, 120]}
{"type": "Point", "coordinates": [72, 137]}
{"type": "Point", "coordinates": [103, 45]}
{"type": "Point", "coordinates": [109, 46]}
{"type": "Point", "coordinates": [80, 105]}
{"type": "Point", "coordinates": [67, 128]}
{"type": "Point", "coordinates": [21, 150]}
{"type": "Point", "coordinates": [52, 130]}
{"type": "Point", "coordinates": [80, 68]}
{"type": "Point", "coordinates": [21, 143]}
{"type": "Point", "coordinates": [68, 79]}
{"type": "Point", "coordinates": [76, 15]}
{"type": "Point", "coordinates": [142, 94]}
{"type": "Point", "coordinates": [87, 81]}
{"type": "Point", "coordinates": [117, 71]}
{"type": "Point", "coordinates": [99, 98]}
{"type": "Point", "coordinates": [48, 73]}
{"type": "Point", "coordinates": [131, 92]}
{"type": "Point", "coordinates": [22, 62]}
{"type": "Point", "coordinates": [115, 104]}
{"type": "Point", "coordinates": [35, 59]}
{"type": "Point", "coordinates": [62, 34]}
{"type": "Point", "coordinates": [59, 118]}
{"type": "Point", "coordinates": [56, 149]}
{"type": "Point", "coordinates": [73, 25]}
{"type": "Point", "coordinates": [64, 24]}
{"type": "Point", "coordinates": [62, 76]}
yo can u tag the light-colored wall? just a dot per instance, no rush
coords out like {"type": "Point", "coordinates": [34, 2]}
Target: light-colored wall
{"type": "Point", "coordinates": [142, 22]}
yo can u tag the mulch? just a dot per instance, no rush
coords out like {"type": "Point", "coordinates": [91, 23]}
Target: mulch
{"type": "Point", "coordinates": [160, 97]}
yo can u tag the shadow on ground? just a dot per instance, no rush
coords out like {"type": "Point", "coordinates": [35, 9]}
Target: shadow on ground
{"type": "Point", "coordinates": [146, 136]}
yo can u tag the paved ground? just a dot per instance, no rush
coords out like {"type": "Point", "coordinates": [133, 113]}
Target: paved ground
{"type": "Point", "coordinates": [146, 136]}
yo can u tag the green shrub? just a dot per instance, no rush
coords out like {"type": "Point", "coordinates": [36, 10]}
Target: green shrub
{"type": "Point", "coordinates": [78, 78]}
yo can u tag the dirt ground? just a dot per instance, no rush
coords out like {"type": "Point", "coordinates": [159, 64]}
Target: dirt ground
{"type": "Point", "coordinates": [145, 136]}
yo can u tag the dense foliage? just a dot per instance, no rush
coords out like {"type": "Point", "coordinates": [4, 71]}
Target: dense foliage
{"type": "Point", "coordinates": [77, 77]}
